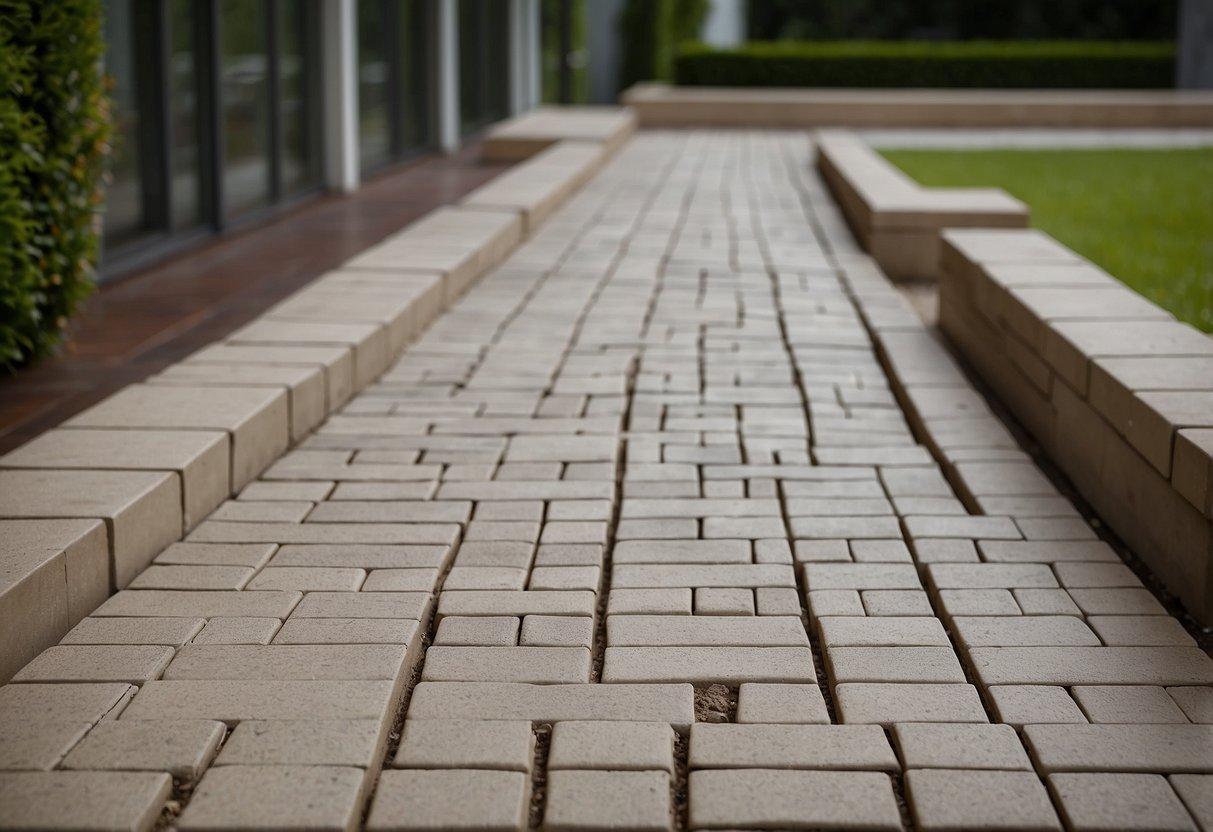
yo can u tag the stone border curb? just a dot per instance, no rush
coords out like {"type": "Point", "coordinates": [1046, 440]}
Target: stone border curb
{"type": "Point", "coordinates": [897, 220]}
{"type": "Point", "coordinates": [526, 135]}
{"type": "Point", "coordinates": [1117, 391]}
{"type": "Point", "coordinates": [660, 105]}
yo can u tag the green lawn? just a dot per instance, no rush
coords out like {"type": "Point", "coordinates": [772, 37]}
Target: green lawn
{"type": "Point", "coordinates": [1146, 216]}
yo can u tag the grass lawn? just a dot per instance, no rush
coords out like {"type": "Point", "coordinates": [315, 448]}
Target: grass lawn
{"type": "Point", "coordinates": [1145, 216]}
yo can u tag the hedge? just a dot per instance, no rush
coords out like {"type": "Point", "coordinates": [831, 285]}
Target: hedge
{"type": "Point", "coordinates": [983, 64]}
{"type": "Point", "coordinates": [54, 133]}
{"type": "Point", "coordinates": [650, 32]}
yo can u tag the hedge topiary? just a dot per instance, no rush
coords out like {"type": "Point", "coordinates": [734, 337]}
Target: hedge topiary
{"type": "Point", "coordinates": [974, 64]}
{"type": "Point", "coordinates": [54, 133]}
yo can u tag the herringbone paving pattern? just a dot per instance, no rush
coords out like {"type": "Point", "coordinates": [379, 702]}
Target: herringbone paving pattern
{"type": "Point", "coordinates": [636, 536]}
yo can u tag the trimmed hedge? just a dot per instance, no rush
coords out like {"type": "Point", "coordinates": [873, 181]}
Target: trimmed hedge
{"type": "Point", "coordinates": [649, 33]}
{"type": "Point", "coordinates": [54, 130]}
{"type": "Point", "coordinates": [973, 64]}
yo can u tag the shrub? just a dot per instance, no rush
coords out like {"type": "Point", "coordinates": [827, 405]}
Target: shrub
{"type": "Point", "coordinates": [54, 129]}
{"type": "Point", "coordinates": [650, 31]}
{"type": "Point", "coordinates": [982, 64]}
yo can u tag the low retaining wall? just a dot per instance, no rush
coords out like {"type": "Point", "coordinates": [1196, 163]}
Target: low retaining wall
{"type": "Point", "coordinates": [523, 136]}
{"type": "Point", "coordinates": [86, 506]}
{"type": "Point", "coordinates": [1117, 391]}
{"type": "Point", "coordinates": [897, 220]}
{"type": "Point", "coordinates": [659, 105]}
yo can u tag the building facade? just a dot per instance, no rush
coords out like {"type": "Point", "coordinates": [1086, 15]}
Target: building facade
{"type": "Point", "coordinates": [227, 111]}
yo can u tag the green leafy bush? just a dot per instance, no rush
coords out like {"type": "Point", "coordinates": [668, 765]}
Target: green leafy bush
{"type": "Point", "coordinates": [54, 129]}
{"type": "Point", "coordinates": [650, 31]}
{"type": "Point", "coordinates": [977, 64]}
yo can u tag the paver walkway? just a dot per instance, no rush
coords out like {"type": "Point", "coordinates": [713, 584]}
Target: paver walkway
{"type": "Point", "coordinates": [641, 534]}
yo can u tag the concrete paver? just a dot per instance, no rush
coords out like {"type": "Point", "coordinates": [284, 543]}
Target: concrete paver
{"type": "Point", "coordinates": [271, 796]}
{"type": "Point", "coordinates": [638, 525]}
{"type": "Point", "coordinates": [495, 801]}
{"type": "Point", "coordinates": [595, 801]}
{"type": "Point", "coordinates": [960, 800]}
{"type": "Point", "coordinates": [84, 800]}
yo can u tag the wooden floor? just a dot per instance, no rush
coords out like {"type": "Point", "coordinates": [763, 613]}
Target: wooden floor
{"type": "Point", "coordinates": [138, 325]}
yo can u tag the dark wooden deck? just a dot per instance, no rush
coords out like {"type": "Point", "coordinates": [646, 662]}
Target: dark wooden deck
{"type": "Point", "coordinates": [140, 324]}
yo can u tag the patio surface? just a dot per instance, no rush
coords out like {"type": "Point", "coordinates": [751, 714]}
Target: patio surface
{"type": "Point", "coordinates": [635, 536]}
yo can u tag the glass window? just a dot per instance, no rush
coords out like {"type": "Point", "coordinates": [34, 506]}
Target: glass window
{"type": "Point", "coordinates": [394, 79]}
{"type": "Point", "coordinates": [484, 69]}
{"type": "Point", "coordinates": [217, 111]}
{"type": "Point", "coordinates": [374, 85]}
{"type": "Point", "coordinates": [298, 81]}
{"type": "Point", "coordinates": [244, 93]}
{"type": "Point", "coordinates": [129, 63]}
{"type": "Point", "coordinates": [415, 125]}
{"type": "Point", "coordinates": [184, 162]}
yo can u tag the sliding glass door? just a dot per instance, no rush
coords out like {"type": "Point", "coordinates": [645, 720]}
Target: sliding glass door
{"type": "Point", "coordinates": [395, 72]}
{"type": "Point", "coordinates": [217, 113]}
{"type": "Point", "coordinates": [484, 63]}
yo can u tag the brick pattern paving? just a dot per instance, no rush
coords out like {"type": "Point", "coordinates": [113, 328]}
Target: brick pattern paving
{"type": "Point", "coordinates": [636, 536]}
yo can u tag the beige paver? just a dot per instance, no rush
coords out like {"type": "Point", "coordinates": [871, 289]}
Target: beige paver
{"type": "Point", "coordinates": [441, 743]}
{"type": "Point", "coordinates": [961, 800]}
{"type": "Point", "coordinates": [531, 602]}
{"type": "Point", "coordinates": [1021, 705]}
{"type": "Point", "coordinates": [234, 701]}
{"type": "Point", "coordinates": [1140, 630]}
{"type": "Point", "coordinates": [97, 663]}
{"type": "Point", "coordinates": [705, 665]}
{"type": "Point", "coordinates": [484, 631]}
{"type": "Point", "coordinates": [781, 703]}
{"type": "Point", "coordinates": [217, 554]}
{"type": "Point", "coordinates": [304, 742]}
{"type": "Point", "coordinates": [287, 661]}
{"type": "Point", "coordinates": [258, 797]}
{"type": "Point", "coordinates": [85, 702]}
{"type": "Point", "coordinates": [537, 665]}
{"type": "Point", "coordinates": [1127, 704]}
{"type": "Point", "coordinates": [186, 604]}
{"type": "Point", "coordinates": [1196, 702]}
{"type": "Point", "coordinates": [887, 703]}
{"type": "Point", "coordinates": [606, 800]}
{"type": "Point", "coordinates": [1023, 631]}
{"type": "Point", "coordinates": [183, 748]}
{"type": "Point", "coordinates": [256, 418]}
{"type": "Point", "coordinates": [494, 801]}
{"type": "Point", "coordinates": [612, 746]}
{"type": "Point", "coordinates": [85, 800]}
{"type": "Point", "coordinates": [937, 665]}
{"type": "Point", "coordinates": [764, 799]}
{"type": "Point", "coordinates": [414, 605]}
{"type": "Point", "coordinates": [200, 458]}
{"type": "Point", "coordinates": [1091, 665]}
{"type": "Point", "coordinates": [37, 746]}
{"type": "Point", "coordinates": [556, 631]}
{"type": "Point", "coordinates": [141, 509]}
{"type": "Point", "coordinates": [1196, 791]}
{"type": "Point", "coordinates": [1157, 748]}
{"type": "Point", "coordinates": [705, 630]}
{"type": "Point", "coordinates": [826, 747]}
{"type": "Point", "coordinates": [1119, 801]}
{"type": "Point", "coordinates": [959, 745]}
{"type": "Point", "coordinates": [669, 703]}
{"type": "Point", "coordinates": [848, 631]}
{"type": "Point", "coordinates": [52, 574]}
{"type": "Point", "coordinates": [238, 630]}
